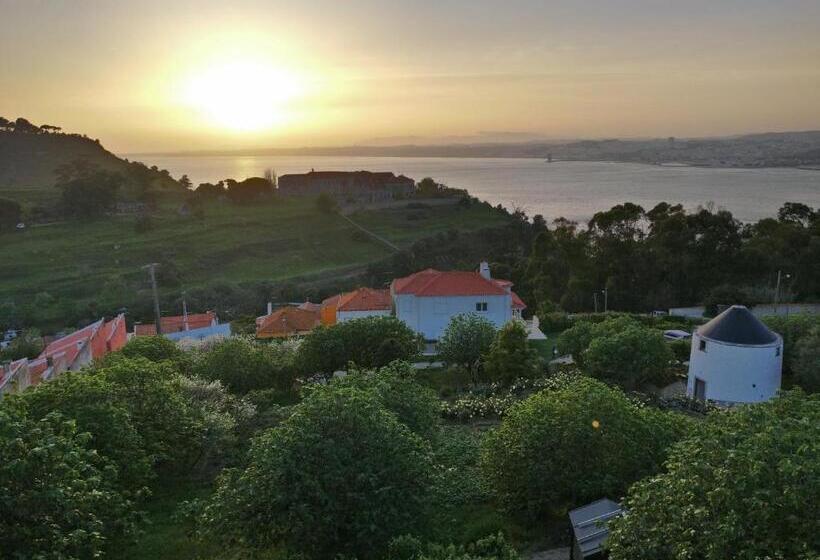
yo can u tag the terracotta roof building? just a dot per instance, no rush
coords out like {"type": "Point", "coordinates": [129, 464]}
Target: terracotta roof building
{"type": "Point", "coordinates": [362, 302]}
{"type": "Point", "coordinates": [178, 323]}
{"type": "Point", "coordinates": [287, 322]}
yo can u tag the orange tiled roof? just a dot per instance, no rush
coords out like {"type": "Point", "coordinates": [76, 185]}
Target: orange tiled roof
{"type": "Point", "coordinates": [287, 321]}
{"type": "Point", "coordinates": [366, 299]}
{"type": "Point", "coordinates": [310, 306]}
{"type": "Point", "coordinates": [176, 323]}
{"type": "Point", "coordinates": [517, 302]}
{"type": "Point", "coordinates": [455, 283]}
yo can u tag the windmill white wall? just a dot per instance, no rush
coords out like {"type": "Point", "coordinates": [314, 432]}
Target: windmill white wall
{"type": "Point", "coordinates": [736, 359]}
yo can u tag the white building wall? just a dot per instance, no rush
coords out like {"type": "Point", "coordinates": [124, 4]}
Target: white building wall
{"type": "Point", "coordinates": [342, 316]}
{"type": "Point", "coordinates": [429, 316]}
{"type": "Point", "coordinates": [736, 373]}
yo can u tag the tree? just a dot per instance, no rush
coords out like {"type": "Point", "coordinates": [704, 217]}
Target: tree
{"type": "Point", "coordinates": [243, 365]}
{"type": "Point", "coordinates": [57, 496]}
{"type": "Point", "coordinates": [510, 356]}
{"type": "Point", "coordinates": [415, 405]}
{"type": "Point", "coordinates": [807, 361]}
{"type": "Point", "coordinates": [370, 342]}
{"type": "Point", "coordinates": [87, 191]}
{"type": "Point", "coordinates": [185, 182]}
{"type": "Point", "coordinates": [326, 204]}
{"type": "Point", "coordinates": [340, 476]}
{"type": "Point", "coordinates": [10, 214]}
{"type": "Point", "coordinates": [29, 344]}
{"type": "Point", "coordinates": [746, 484]}
{"type": "Point", "coordinates": [248, 190]}
{"type": "Point", "coordinates": [573, 444]}
{"type": "Point", "coordinates": [153, 348]}
{"type": "Point", "coordinates": [210, 189]}
{"type": "Point", "coordinates": [92, 403]}
{"type": "Point", "coordinates": [465, 340]}
{"type": "Point", "coordinates": [631, 356]}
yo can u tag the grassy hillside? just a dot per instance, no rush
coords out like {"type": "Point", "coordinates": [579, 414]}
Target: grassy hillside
{"type": "Point", "coordinates": [28, 162]}
{"type": "Point", "coordinates": [68, 271]}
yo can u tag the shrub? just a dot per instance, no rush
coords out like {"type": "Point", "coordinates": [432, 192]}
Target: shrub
{"type": "Point", "coordinates": [243, 365]}
{"type": "Point", "coordinates": [29, 344]}
{"type": "Point", "coordinates": [57, 496]}
{"type": "Point", "coordinates": [93, 404]}
{"type": "Point", "coordinates": [554, 321]}
{"type": "Point", "coordinates": [746, 484]}
{"type": "Point", "coordinates": [510, 356]}
{"type": "Point", "coordinates": [574, 444]}
{"type": "Point", "coordinates": [370, 342]}
{"type": "Point", "coordinates": [634, 355]}
{"type": "Point", "coordinates": [415, 405]}
{"type": "Point", "coordinates": [493, 547]}
{"type": "Point", "coordinates": [154, 348]}
{"type": "Point", "coordinates": [681, 349]}
{"type": "Point", "coordinates": [340, 476]}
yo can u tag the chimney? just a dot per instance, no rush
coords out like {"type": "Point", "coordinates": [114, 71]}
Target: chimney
{"type": "Point", "coordinates": [484, 270]}
{"type": "Point", "coordinates": [270, 308]}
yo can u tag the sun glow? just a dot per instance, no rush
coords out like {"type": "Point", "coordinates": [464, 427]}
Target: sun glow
{"type": "Point", "coordinates": [243, 95]}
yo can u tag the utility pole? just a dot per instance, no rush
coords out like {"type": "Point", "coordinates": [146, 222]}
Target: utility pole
{"type": "Point", "coordinates": [777, 292]}
{"type": "Point", "coordinates": [595, 297]}
{"type": "Point", "coordinates": [184, 313]}
{"type": "Point", "coordinates": [606, 299]}
{"type": "Point", "coordinates": [157, 318]}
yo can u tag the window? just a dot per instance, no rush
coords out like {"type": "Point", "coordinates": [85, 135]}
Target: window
{"type": "Point", "coordinates": [481, 306]}
{"type": "Point", "coordinates": [702, 346]}
{"type": "Point", "coordinates": [777, 352]}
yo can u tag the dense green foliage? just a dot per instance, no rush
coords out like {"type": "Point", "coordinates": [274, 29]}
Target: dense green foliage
{"type": "Point", "coordinates": [341, 475]}
{"type": "Point", "coordinates": [369, 342]}
{"type": "Point", "coordinates": [154, 348]}
{"type": "Point", "coordinates": [395, 386]}
{"type": "Point", "coordinates": [567, 446]}
{"type": "Point", "coordinates": [465, 341]}
{"type": "Point", "coordinates": [243, 365]}
{"type": "Point", "coordinates": [629, 357]}
{"type": "Point", "coordinates": [746, 485]}
{"type": "Point", "coordinates": [89, 192]}
{"type": "Point", "coordinates": [27, 344]}
{"type": "Point", "coordinates": [510, 355]}
{"type": "Point", "coordinates": [493, 547]}
{"type": "Point", "coordinates": [58, 497]}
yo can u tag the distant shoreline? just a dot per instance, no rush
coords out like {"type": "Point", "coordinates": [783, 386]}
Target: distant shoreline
{"type": "Point", "coordinates": [131, 157]}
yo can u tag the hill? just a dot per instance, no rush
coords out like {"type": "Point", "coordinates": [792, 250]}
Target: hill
{"type": "Point", "coordinates": [30, 155]}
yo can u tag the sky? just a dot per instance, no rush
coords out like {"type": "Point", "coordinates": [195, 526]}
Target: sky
{"type": "Point", "coordinates": [152, 76]}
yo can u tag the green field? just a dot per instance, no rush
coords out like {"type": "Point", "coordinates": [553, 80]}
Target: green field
{"type": "Point", "coordinates": [274, 240]}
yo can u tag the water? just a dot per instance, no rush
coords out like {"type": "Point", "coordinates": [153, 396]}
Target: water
{"type": "Point", "coordinates": [574, 190]}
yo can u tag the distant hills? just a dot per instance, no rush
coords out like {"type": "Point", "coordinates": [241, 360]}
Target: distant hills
{"type": "Point", "coordinates": [776, 149]}
{"type": "Point", "coordinates": [30, 155]}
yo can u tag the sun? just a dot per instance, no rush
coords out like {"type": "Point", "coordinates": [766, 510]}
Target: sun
{"type": "Point", "coordinates": [242, 95]}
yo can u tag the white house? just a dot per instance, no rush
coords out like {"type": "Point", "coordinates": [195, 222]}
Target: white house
{"type": "Point", "coordinates": [735, 359]}
{"type": "Point", "coordinates": [426, 301]}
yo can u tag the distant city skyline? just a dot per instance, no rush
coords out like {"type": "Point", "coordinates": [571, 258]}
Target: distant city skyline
{"type": "Point", "coordinates": [152, 76]}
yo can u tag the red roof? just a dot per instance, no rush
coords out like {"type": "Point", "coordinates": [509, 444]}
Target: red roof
{"type": "Point", "coordinates": [101, 336]}
{"type": "Point", "coordinates": [286, 321]}
{"type": "Point", "coordinates": [366, 299]}
{"type": "Point", "coordinates": [517, 302]}
{"type": "Point", "coordinates": [176, 323]}
{"type": "Point", "coordinates": [456, 283]}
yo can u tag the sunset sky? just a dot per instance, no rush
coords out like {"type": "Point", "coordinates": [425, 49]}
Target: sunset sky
{"type": "Point", "coordinates": [154, 75]}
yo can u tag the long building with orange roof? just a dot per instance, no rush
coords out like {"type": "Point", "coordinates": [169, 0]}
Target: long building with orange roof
{"type": "Point", "coordinates": [68, 353]}
{"type": "Point", "coordinates": [362, 302]}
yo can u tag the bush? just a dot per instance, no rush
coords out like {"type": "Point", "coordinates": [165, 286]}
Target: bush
{"type": "Point", "coordinates": [58, 498]}
{"type": "Point", "coordinates": [340, 476]}
{"type": "Point", "coordinates": [631, 356]}
{"type": "Point", "coordinates": [415, 405]}
{"type": "Point", "coordinates": [510, 356]}
{"type": "Point", "coordinates": [564, 447]}
{"type": "Point", "coordinates": [243, 365]}
{"type": "Point", "coordinates": [493, 547]}
{"type": "Point", "coordinates": [745, 485]}
{"type": "Point", "coordinates": [92, 403]}
{"type": "Point", "coordinates": [792, 328]}
{"type": "Point", "coordinates": [326, 204]}
{"type": "Point", "coordinates": [681, 349]}
{"type": "Point", "coordinates": [29, 344]}
{"type": "Point", "coordinates": [153, 348]}
{"type": "Point", "coordinates": [554, 321]}
{"type": "Point", "coordinates": [370, 342]}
